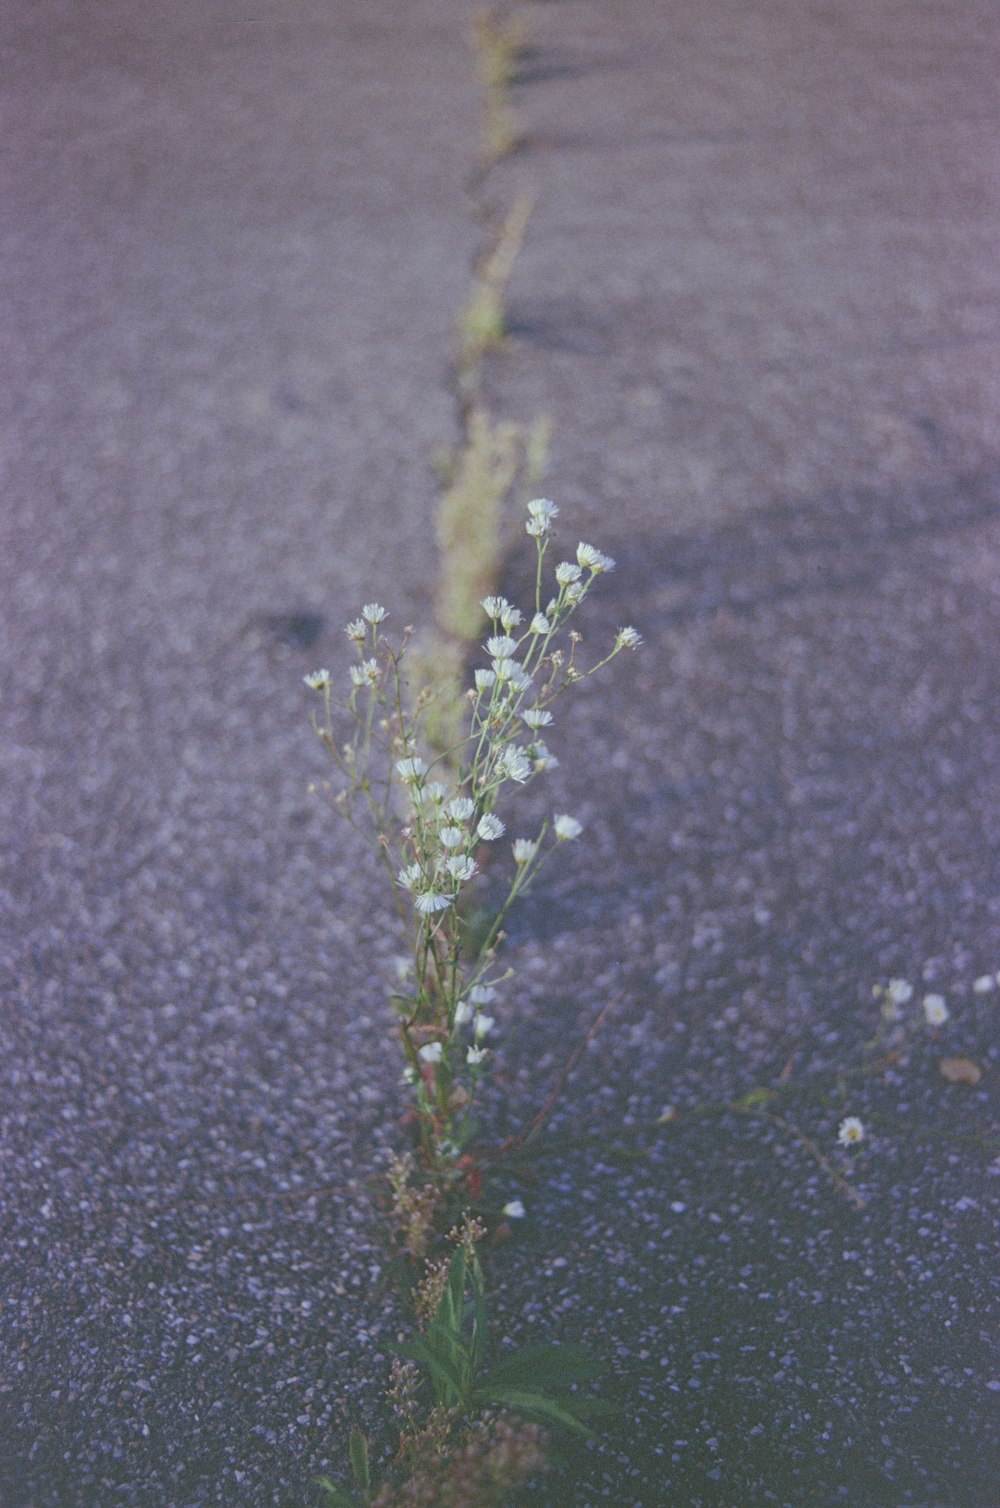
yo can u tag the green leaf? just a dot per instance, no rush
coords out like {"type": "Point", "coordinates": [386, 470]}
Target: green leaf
{"type": "Point", "coordinates": [535, 1406]}
{"type": "Point", "coordinates": [447, 1381]}
{"type": "Point", "coordinates": [754, 1098]}
{"type": "Point", "coordinates": [335, 1496]}
{"type": "Point", "coordinates": [358, 1448]}
{"type": "Point", "coordinates": [477, 1339]}
{"type": "Point", "coordinates": [544, 1365]}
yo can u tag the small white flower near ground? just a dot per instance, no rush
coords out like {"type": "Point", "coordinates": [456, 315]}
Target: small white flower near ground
{"type": "Point", "coordinates": [627, 638]}
{"type": "Point", "coordinates": [374, 612]}
{"type": "Point", "coordinates": [566, 572]}
{"type": "Point", "coordinates": [357, 631]}
{"type": "Point", "coordinates": [365, 674]}
{"type": "Point", "coordinates": [566, 828]}
{"type": "Point", "coordinates": [501, 647]}
{"type": "Point", "coordinates": [452, 837]}
{"type": "Point", "coordinates": [431, 1052]}
{"type": "Point", "coordinates": [537, 717]}
{"type": "Point", "coordinates": [484, 1025]}
{"type": "Point", "coordinates": [899, 991]}
{"type": "Point", "coordinates": [495, 607]}
{"type": "Point", "coordinates": [511, 618]}
{"type": "Point", "coordinates": [410, 876]}
{"type": "Point", "coordinates": [540, 624]}
{"type": "Point", "coordinates": [431, 902]}
{"type": "Point", "coordinates": [850, 1131]}
{"type": "Point", "coordinates": [318, 681]}
{"type": "Point", "coordinates": [984, 984]}
{"type": "Point", "coordinates": [460, 809]}
{"type": "Point", "coordinates": [513, 764]}
{"type": "Point", "coordinates": [482, 994]}
{"type": "Point", "coordinates": [489, 828]}
{"type": "Point", "coordinates": [544, 508]}
{"type": "Point", "coordinates": [485, 679]}
{"type": "Point", "coordinates": [476, 1055]}
{"type": "Point", "coordinates": [463, 1013]}
{"type": "Point", "coordinates": [524, 850]}
{"type": "Point", "coordinates": [514, 1209]}
{"type": "Point", "coordinates": [410, 770]}
{"type": "Point", "coordinates": [461, 869]}
{"type": "Point", "coordinates": [593, 560]}
{"type": "Point", "coordinates": [935, 1010]}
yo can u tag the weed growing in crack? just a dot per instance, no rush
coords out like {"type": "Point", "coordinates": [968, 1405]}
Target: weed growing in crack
{"type": "Point", "coordinates": [482, 324]}
{"type": "Point", "coordinates": [431, 817]}
{"type": "Point", "coordinates": [498, 46]}
{"type": "Point", "coordinates": [493, 463]}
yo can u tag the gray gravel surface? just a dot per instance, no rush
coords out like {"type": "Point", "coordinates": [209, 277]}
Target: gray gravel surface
{"type": "Point", "coordinates": [758, 299]}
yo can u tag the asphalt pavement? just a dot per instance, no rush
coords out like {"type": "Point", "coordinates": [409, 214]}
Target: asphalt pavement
{"type": "Point", "coordinates": [757, 298]}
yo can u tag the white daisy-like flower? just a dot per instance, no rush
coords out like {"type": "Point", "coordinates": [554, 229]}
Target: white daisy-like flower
{"type": "Point", "coordinates": [935, 1010]}
{"type": "Point", "coordinates": [543, 507]}
{"type": "Point", "coordinates": [436, 792]}
{"type": "Point", "coordinates": [485, 679]}
{"type": "Point", "coordinates": [505, 669]}
{"type": "Point", "coordinates": [430, 902]}
{"type": "Point", "coordinates": [537, 528]}
{"type": "Point", "coordinates": [513, 764]}
{"type": "Point", "coordinates": [982, 986]}
{"type": "Point", "coordinates": [537, 717]}
{"type": "Point", "coordinates": [374, 612]}
{"type": "Point", "coordinates": [461, 808]}
{"type": "Point", "coordinates": [514, 1209]}
{"type": "Point", "coordinates": [460, 869]}
{"type": "Point", "coordinates": [319, 680]}
{"type": "Point", "coordinates": [899, 991]}
{"type": "Point", "coordinates": [357, 631]}
{"type": "Point", "coordinates": [850, 1131]}
{"type": "Point", "coordinates": [627, 638]}
{"type": "Point", "coordinates": [484, 1025]}
{"type": "Point", "coordinates": [566, 572]}
{"type": "Point", "coordinates": [452, 837]}
{"type": "Point", "coordinates": [411, 769]}
{"type": "Point", "coordinates": [541, 757]}
{"type": "Point", "coordinates": [524, 850]}
{"type": "Point", "coordinates": [511, 618]}
{"type": "Point", "coordinates": [489, 828]}
{"type": "Point", "coordinates": [430, 1052]}
{"type": "Point", "coordinates": [501, 647]}
{"type": "Point", "coordinates": [540, 624]}
{"type": "Point", "coordinates": [410, 877]}
{"type": "Point", "coordinates": [475, 1055]}
{"type": "Point", "coordinates": [482, 994]}
{"type": "Point", "coordinates": [566, 828]}
{"type": "Point", "coordinates": [574, 593]}
{"type": "Point", "coordinates": [365, 674]}
{"type": "Point", "coordinates": [593, 560]}
{"type": "Point", "coordinates": [494, 607]}
{"type": "Point", "coordinates": [463, 1013]}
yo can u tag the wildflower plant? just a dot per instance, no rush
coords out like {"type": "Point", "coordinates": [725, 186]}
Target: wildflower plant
{"type": "Point", "coordinates": [434, 816]}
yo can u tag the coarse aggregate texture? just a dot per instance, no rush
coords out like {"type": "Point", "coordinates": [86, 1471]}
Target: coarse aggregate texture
{"type": "Point", "coordinates": [757, 297]}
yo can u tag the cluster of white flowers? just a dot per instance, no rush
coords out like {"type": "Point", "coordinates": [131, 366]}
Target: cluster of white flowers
{"type": "Point", "coordinates": [432, 831]}
{"type": "Point", "coordinates": [899, 992]}
{"type": "Point", "coordinates": [935, 1010]}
